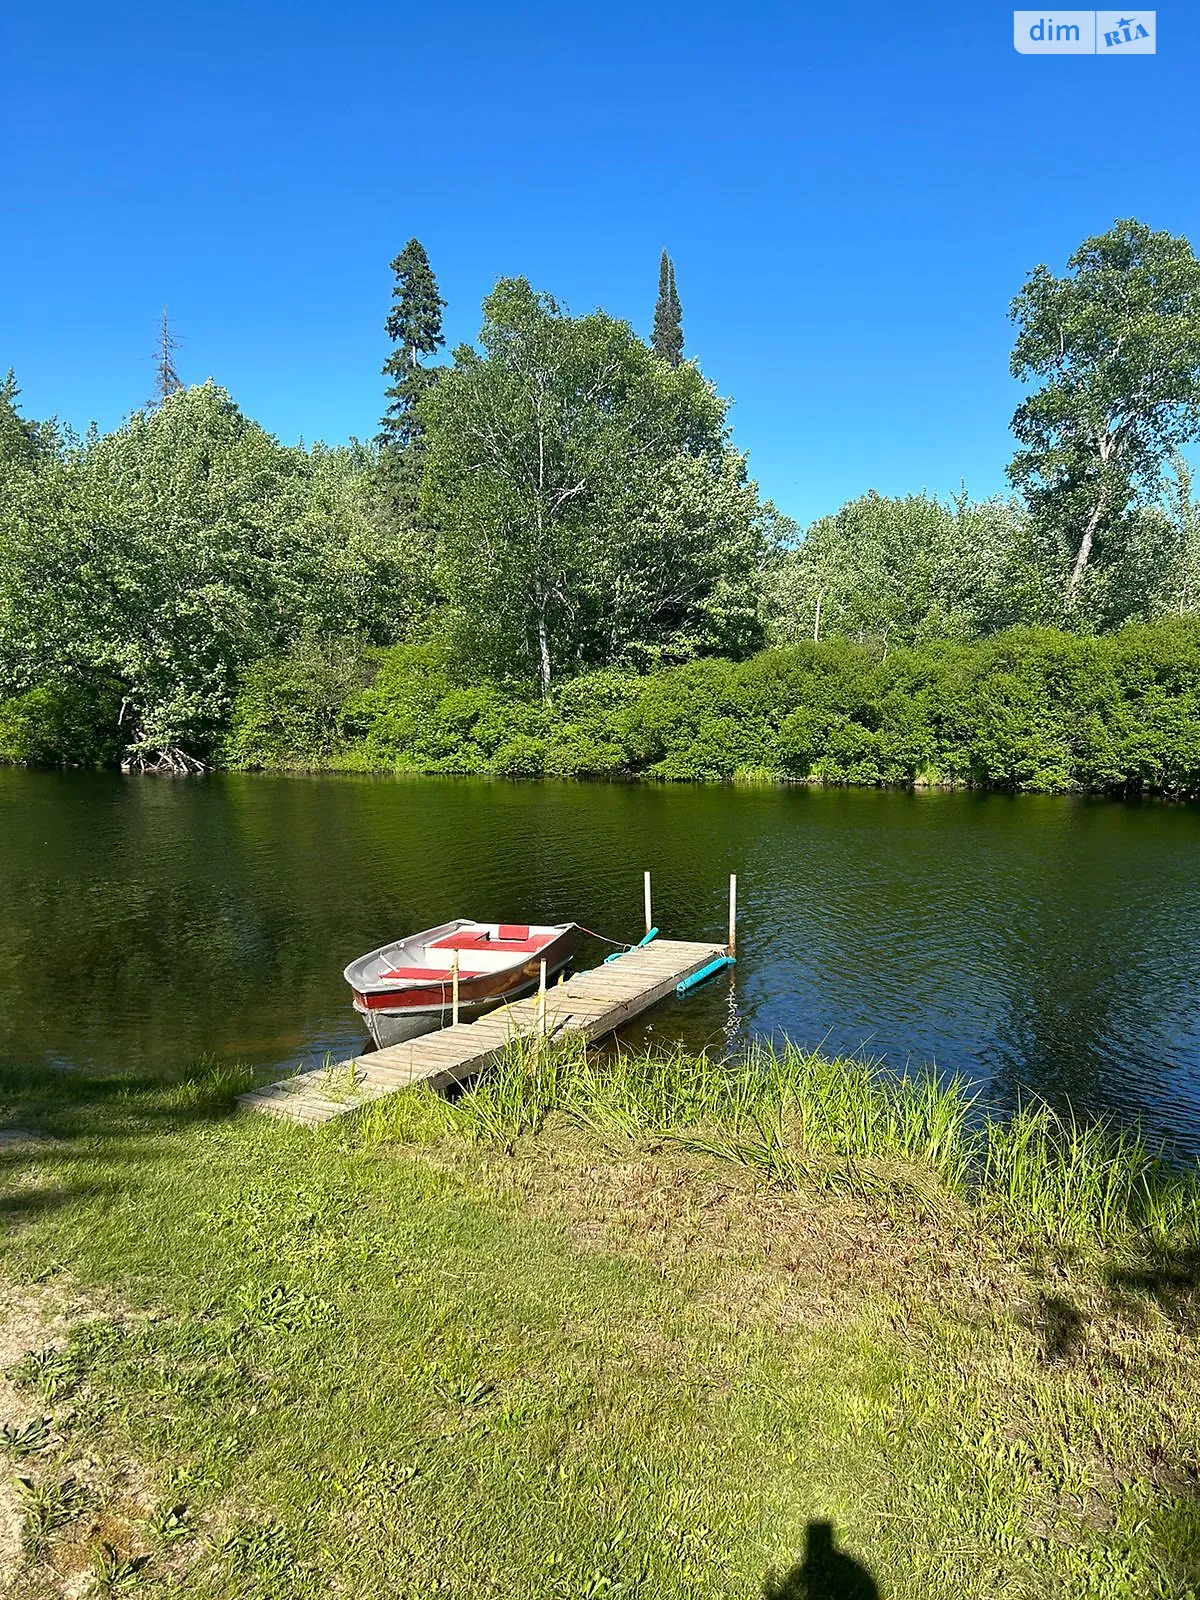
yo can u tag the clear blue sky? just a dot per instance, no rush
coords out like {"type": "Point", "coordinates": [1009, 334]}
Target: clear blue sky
{"type": "Point", "coordinates": [852, 194]}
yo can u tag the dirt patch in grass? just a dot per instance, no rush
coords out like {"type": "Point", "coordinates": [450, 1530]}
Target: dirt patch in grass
{"type": "Point", "coordinates": [88, 1505]}
{"type": "Point", "coordinates": [30, 1320]}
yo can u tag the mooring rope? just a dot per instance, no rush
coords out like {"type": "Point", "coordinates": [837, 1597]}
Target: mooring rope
{"type": "Point", "coordinates": [617, 944]}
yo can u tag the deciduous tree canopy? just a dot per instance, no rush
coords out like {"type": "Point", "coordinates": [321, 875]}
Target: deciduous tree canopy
{"type": "Point", "coordinates": [1115, 345]}
{"type": "Point", "coordinates": [560, 515]}
{"type": "Point", "coordinates": [590, 506]}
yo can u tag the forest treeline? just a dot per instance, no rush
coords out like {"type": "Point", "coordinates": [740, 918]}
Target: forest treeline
{"type": "Point", "coordinates": [553, 559]}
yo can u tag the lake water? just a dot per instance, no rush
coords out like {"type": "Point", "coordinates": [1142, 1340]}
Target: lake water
{"type": "Point", "coordinates": [1031, 944]}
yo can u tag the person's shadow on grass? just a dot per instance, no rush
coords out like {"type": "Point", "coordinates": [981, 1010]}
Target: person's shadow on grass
{"type": "Point", "coordinates": [824, 1574]}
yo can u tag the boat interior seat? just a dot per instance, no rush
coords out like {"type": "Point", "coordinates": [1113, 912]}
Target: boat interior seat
{"type": "Point", "coordinates": [528, 945]}
{"type": "Point", "coordinates": [440, 974]}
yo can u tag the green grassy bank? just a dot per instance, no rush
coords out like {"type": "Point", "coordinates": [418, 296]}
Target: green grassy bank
{"type": "Point", "coordinates": [618, 1326]}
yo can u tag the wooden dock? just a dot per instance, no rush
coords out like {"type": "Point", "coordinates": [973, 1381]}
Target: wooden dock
{"type": "Point", "coordinates": [589, 1005]}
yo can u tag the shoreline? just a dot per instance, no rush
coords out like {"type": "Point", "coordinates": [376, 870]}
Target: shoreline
{"type": "Point", "coordinates": [778, 780]}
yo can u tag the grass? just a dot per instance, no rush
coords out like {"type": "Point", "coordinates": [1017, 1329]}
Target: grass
{"type": "Point", "coordinates": [802, 1120]}
{"type": "Point", "coordinates": [607, 1326]}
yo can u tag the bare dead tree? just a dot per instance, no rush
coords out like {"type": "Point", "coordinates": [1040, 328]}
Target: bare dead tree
{"type": "Point", "coordinates": [166, 378]}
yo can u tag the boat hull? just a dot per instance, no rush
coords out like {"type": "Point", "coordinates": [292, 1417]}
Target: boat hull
{"type": "Point", "coordinates": [397, 1027]}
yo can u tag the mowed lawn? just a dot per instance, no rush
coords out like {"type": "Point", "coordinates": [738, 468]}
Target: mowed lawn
{"type": "Point", "coordinates": [396, 1358]}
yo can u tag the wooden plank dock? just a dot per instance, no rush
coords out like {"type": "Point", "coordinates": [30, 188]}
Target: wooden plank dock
{"type": "Point", "coordinates": [591, 1004]}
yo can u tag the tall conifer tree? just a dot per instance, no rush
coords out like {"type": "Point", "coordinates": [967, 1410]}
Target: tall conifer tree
{"type": "Point", "coordinates": [667, 341]}
{"type": "Point", "coordinates": [414, 326]}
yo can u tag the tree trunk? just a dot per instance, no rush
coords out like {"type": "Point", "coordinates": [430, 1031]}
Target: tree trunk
{"type": "Point", "coordinates": [1109, 449]}
{"type": "Point", "coordinates": [1084, 553]}
{"type": "Point", "coordinates": [543, 644]}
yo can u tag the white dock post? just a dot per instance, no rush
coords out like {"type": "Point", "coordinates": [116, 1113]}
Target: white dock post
{"type": "Point", "coordinates": [454, 988]}
{"type": "Point", "coordinates": [732, 912]}
{"type": "Point", "coordinates": [541, 1005]}
{"type": "Point", "coordinates": [649, 916]}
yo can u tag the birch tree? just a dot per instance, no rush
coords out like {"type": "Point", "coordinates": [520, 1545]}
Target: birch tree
{"type": "Point", "coordinates": [1115, 347]}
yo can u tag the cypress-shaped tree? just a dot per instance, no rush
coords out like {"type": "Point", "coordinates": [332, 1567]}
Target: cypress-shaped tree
{"type": "Point", "coordinates": [414, 326]}
{"type": "Point", "coordinates": [667, 341]}
{"type": "Point", "coordinates": [677, 317]}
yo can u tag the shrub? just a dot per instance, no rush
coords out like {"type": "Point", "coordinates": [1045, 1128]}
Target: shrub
{"type": "Point", "coordinates": [580, 751]}
{"type": "Point", "coordinates": [1032, 708]}
{"type": "Point", "coordinates": [288, 711]}
{"type": "Point", "coordinates": [522, 757]}
{"type": "Point", "coordinates": [58, 724]}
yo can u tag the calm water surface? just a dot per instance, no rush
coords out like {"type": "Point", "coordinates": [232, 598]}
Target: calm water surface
{"type": "Point", "coordinates": [1029, 943]}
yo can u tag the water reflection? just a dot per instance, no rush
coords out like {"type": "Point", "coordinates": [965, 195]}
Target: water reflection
{"type": "Point", "coordinates": [1033, 944]}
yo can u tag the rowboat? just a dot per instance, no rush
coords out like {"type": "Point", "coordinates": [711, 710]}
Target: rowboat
{"type": "Point", "coordinates": [406, 988]}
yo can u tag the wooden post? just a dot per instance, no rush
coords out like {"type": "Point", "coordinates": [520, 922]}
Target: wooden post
{"type": "Point", "coordinates": [649, 916]}
{"type": "Point", "coordinates": [732, 912]}
{"type": "Point", "coordinates": [541, 1005]}
{"type": "Point", "coordinates": [454, 988]}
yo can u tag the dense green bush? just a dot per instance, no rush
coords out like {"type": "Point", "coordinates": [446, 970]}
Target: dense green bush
{"type": "Point", "coordinates": [420, 715]}
{"type": "Point", "coordinates": [60, 724]}
{"type": "Point", "coordinates": [1030, 709]}
{"type": "Point", "coordinates": [289, 710]}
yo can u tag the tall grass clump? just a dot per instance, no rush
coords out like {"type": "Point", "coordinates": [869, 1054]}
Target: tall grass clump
{"type": "Point", "coordinates": [1073, 1182]}
{"type": "Point", "coordinates": [517, 1093]}
{"type": "Point", "coordinates": [763, 1109]}
{"type": "Point", "coordinates": [802, 1119]}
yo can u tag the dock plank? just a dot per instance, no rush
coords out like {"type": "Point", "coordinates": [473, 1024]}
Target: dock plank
{"type": "Point", "coordinates": [589, 1005]}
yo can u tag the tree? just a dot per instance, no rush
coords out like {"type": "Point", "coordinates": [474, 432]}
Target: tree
{"type": "Point", "coordinates": [587, 500]}
{"type": "Point", "coordinates": [1116, 345]}
{"type": "Point", "coordinates": [166, 378]}
{"type": "Point", "coordinates": [24, 445]}
{"type": "Point", "coordinates": [1184, 580]}
{"type": "Point", "coordinates": [893, 571]}
{"type": "Point", "coordinates": [414, 325]}
{"type": "Point", "coordinates": [166, 558]}
{"type": "Point", "coordinates": [667, 341]}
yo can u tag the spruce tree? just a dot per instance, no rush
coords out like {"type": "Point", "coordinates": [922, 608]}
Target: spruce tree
{"type": "Point", "coordinates": [667, 341]}
{"type": "Point", "coordinates": [18, 437]}
{"type": "Point", "coordinates": [414, 326]}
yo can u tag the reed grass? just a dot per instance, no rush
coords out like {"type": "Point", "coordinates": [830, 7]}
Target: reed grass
{"type": "Point", "coordinates": [804, 1119]}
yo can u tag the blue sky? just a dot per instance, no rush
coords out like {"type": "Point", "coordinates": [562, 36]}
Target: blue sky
{"type": "Point", "coordinates": [852, 194]}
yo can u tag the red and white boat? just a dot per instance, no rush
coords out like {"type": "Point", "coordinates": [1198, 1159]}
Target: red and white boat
{"type": "Point", "coordinates": [405, 989]}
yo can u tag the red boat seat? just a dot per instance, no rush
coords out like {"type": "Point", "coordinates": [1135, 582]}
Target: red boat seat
{"type": "Point", "coordinates": [514, 930]}
{"type": "Point", "coordinates": [441, 974]}
{"type": "Point", "coordinates": [480, 941]}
